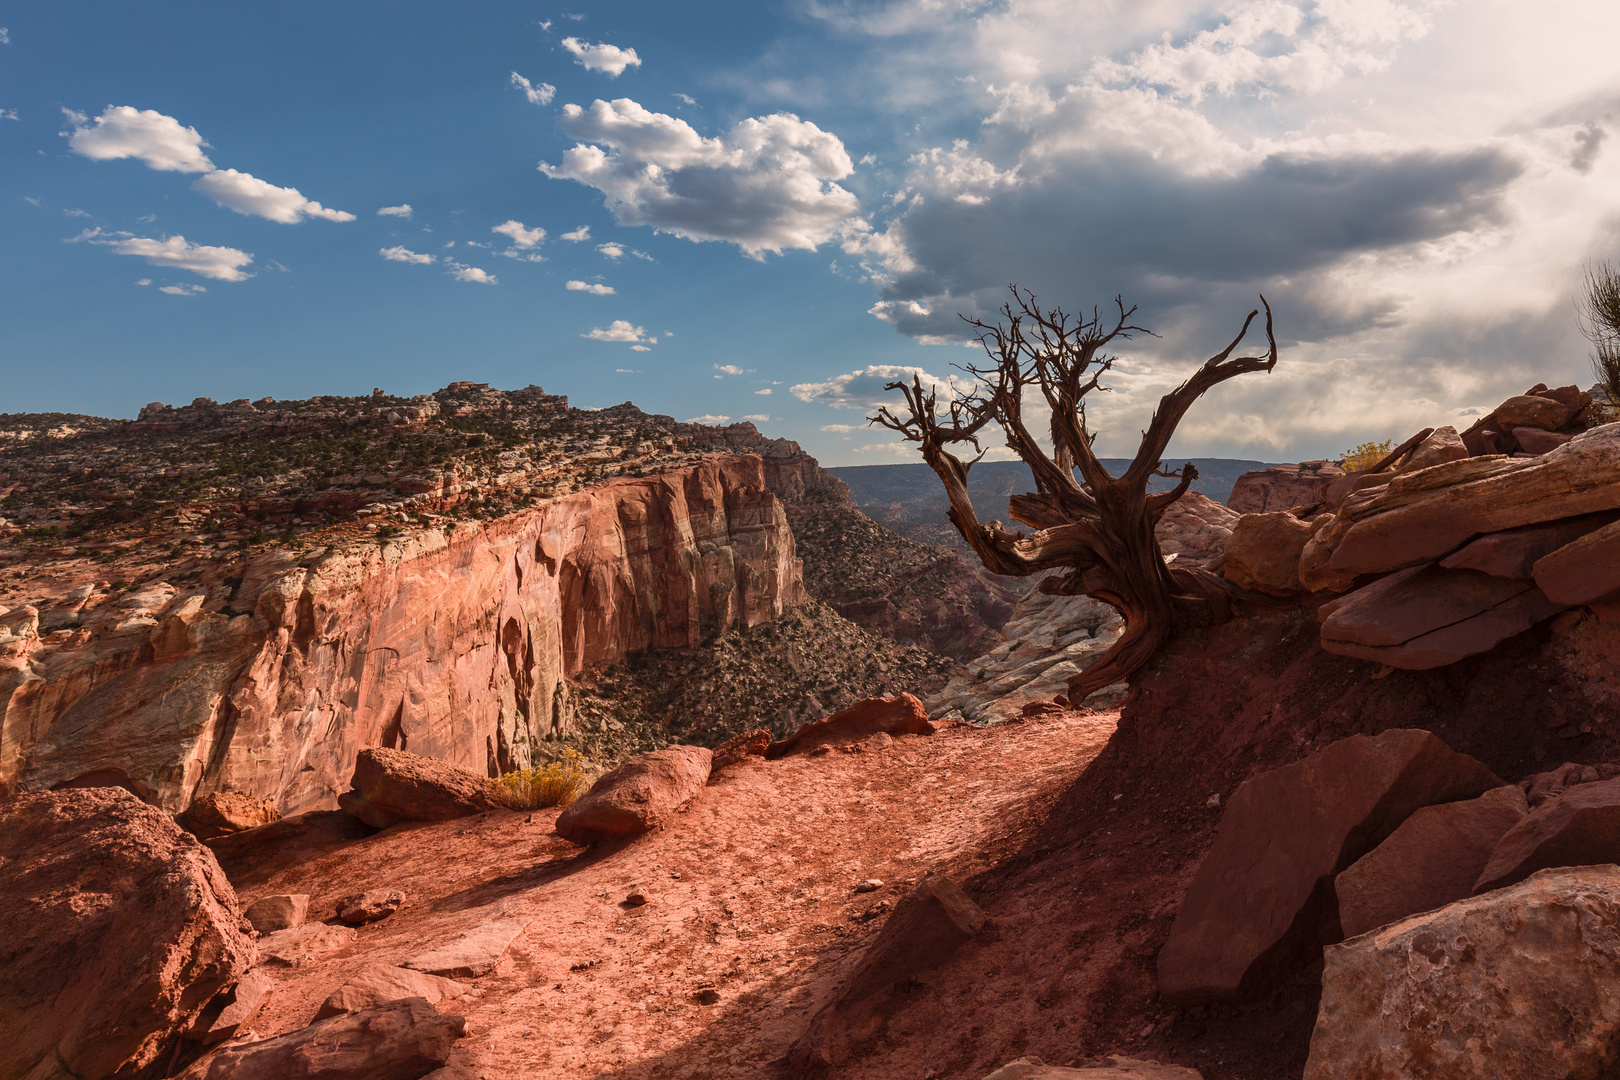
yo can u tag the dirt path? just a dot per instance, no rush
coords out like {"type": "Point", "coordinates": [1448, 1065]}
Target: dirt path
{"type": "Point", "coordinates": [752, 897]}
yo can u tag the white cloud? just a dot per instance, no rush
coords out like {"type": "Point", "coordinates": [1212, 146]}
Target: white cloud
{"type": "Point", "coordinates": [537, 95]}
{"type": "Point", "coordinates": [732, 369]}
{"type": "Point", "coordinates": [765, 185]}
{"type": "Point", "coordinates": [839, 427]}
{"type": "Point", "coordinates": [403, 210]}
{"type": "Point", "coordinates": [710, 419]}
{"type": "Point", "coordinates": [893, 449]}
{"type": "Point", "coordinates": [864, 389]}
{"type": "Point", "coordinates": [758, 418]}
{"type": "Point", "coordinates": [219, 263]}
{"type": "Point", "coordinates": [627, 371]}
{"type": "Point", "coordinates": [521, 235]}
{"type": "Point", "coordinates": [617, 330]}
{"type": "Point", "coordinates": [124, 132]}
{"type": "Point", "coordinates": [521, 256]}
{"type": "Point", "coordinates": [144, 281]}
{"type": "Point", "coordinates": [608, 59]}
{"type": "Point", "coordinates": [183, 290]}
{"type": "Point", "coordinates": [258, 198]}
{"type": "Point", "coordinates": [5, 36]}
{"type": "Point", "coordinates": [612, 251]}
{"type": "Point", "coordinates": [8, 114]}
{"type": "Point", "coordinates": [75, 213]}
{"type": "Point", "coordinates": [765, 392]}
{"type": "Point", "coordinates": [405, 255]}
{"type": "Point", "coordinates": [32, 201]}
{"type": "Point", "coordinates": [581, 233]}
{"type": "Point", "coordinates": [686, 99]}
{"type": "Point", "coordinates": [474, 274]}
{"type": "Point", "coordinates": [639, 348]}
{"type": "Point", "coordinates": [597, 289]}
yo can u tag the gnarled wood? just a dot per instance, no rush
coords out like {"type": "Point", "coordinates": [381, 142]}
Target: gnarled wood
{"type": "Point", "coordinates": [1098, 528]}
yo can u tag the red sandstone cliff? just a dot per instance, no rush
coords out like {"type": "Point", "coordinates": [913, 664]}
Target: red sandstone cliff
{"type": "Point", "coordinates": [454, 643]}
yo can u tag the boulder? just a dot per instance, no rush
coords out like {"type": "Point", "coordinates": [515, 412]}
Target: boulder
{"type": "Point", "coordinates": [1282, 487]}
{"type": "Point", "coordinates": [1532, 411]}
{"type": "Point", "coordinates": [926, 928]}
{"type": "Point", "coordinates": [1427, 616]}
{"type": "Point", "coordinates": [390, 786]}
{"type": "Point", "coordinates": [272, 913]}
{"type": "Point", "coordinates": [220, 813]}
{"type": "Point", "coordinates": [1442, 445]}
{"type": "Point", "coordinates": [1263, 553]}
{"type": "Point", "coordinates": [369, 906]}
{"type": "Point", "coordinates": [1426, 515]}
{"type": "Point", "coordinates": [299, 945]}
{"type": "Point", "coordinates": [1113, 1068]}
{"type": "Point", "coordinates": [378, 984]}
{"type": "Point", "coordinates": [1263, 897]}
{"type": "Point", "coordinates": [1584, 571]}
{"type": "Point", "coordinates": [899, 715]}
{"type": "Point", "coordinates": [1433, 859]}
{"type": "Point", "coordinates": [1535, 441]}
{"type": "Point", "coordinates": [225, 1015]}
{"type": "Point", "coordinates": [1194, 529]}
{"type": "Point", "coordinates": [116, 929]}
{"type": "Point", "coordinates": [1545, 786]}
{"type": "Point", "coordinates": [474, 953]}
{"type": "Point", "coordinates": [747, 744]}
{"type": "Point", "coordinates": [1523, 982]}
{"type": "Point", "coordinates": [637, 796]}
{"type": "Point", "coordinates": [1513, 553]}
{"type": "Point", "coordinates": [403, 1040]}
{"type": "Point", "coordinates": [1581, 827]}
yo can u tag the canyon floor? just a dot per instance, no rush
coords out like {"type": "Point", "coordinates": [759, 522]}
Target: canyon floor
{"type": "Point", "coordinates": [752, 896]}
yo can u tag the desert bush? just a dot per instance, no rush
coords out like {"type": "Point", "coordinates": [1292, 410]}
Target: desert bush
{"type": "Point", "coordinates": [1599, 309]}
{"type": "Point", "coordinates": [1367, 455]}
{"type": "Point", "coordinates": [557, 784]}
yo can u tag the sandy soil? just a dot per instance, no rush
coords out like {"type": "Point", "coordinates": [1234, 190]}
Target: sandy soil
{"type": "Point", "coordinates": [752, 896]}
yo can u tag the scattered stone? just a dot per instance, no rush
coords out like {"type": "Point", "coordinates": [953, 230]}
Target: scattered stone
{"type": "Point", "coordinates": [1585, 571]}
{"type": "Point", "coordinates": [899, 715]}
{"type": "Point", "coordinates": [378, 984]}
{"type": "Point", "coordinates": [637, 796]}
{"type": "Point", "coordinates": [1522, 982]}
{"type": "Point", "coordinates": [117, 930]}
{"type": "Point", "coordinates": [1442, 445]}
{"type": "Point", "coordinates": [1262, 899]}
{"type": "Point", "coordinates": [927, 927]}
{"type": "Point", "coordinates": [1113, 1068]}
{"type": "Point", "coordinates": [748, 744]}
{"type": "Point", "coordinates": [402, 1040]}
{"type": "Point", "coordinates": [1434, 858]}
{"type": "Point", "coordinates": [472, 954]}
{"type": "Point", "coordinates": [274, 913]}
{"type": "Point", "coordinates": [220, 813]}
{"type": "Point", "coordinates": [298, 945]}
{"type": "Point", "coordinates": [392, 786]}
{"type": "Point", "coordinates": [1581, 827]}
{"type": "Point", "coordinates": [1544, 786]}
{"type": "Point", "coordinates": [1532, 411]}
{"type": "Point", "coordinates": [881, 741]}
{"type": "Point", "coordinates": [1263, 553]}
{"type": "Point", "coordinates": [224, 1017]}
{"type": "Point", "coordinates": [369, 906]}
{"type": "Point", "coordinates": [869, 885]}
{"type": "Point", "coordinates": [636, 897]}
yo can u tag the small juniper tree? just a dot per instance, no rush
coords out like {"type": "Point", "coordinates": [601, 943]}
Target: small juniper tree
{"type": "Point", "coordinates": [1097, 529]}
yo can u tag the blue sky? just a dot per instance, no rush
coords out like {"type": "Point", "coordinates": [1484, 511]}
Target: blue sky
{"type": "Point", "coordinates": [765, 210]}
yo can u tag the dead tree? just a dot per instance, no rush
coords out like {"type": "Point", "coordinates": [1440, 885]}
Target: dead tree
{"type": "Point", "coordinates": [1097, 529]}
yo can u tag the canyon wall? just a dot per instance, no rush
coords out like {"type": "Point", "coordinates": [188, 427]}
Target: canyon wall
{"type": "Point", "coordinates": [452, 643]}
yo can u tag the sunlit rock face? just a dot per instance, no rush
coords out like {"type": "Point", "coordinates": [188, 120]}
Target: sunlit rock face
{"type": "Point", "coordinates": [454, 643]}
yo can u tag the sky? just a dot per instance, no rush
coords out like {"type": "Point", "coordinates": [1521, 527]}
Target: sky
{"type": "Point", "coordinates": [767, 210]}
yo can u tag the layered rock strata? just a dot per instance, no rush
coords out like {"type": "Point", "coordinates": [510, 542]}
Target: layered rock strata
{"type": "Point", "coordinates": [454, 643]}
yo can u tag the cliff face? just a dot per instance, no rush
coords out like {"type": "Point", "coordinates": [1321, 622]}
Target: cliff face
{"type": "Point", "coordinates": [454, 644]}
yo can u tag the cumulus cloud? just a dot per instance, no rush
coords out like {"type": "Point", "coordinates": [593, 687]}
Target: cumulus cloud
{"type": "Point", "coordinates": [710, 419]}
{"type": "Point", "coordinates": [766, 184]}
{"type": "Point", "coordinates": [175, 253]}
{"type": "Point", "coordinates": [758, 418]}
{"type": "Point", "coordinates": [608, 59]}
{"type": "Point", "coordinates": [122, 131]}
{"type": "Point", "coordinates": [403, 210]}
{"type": "Point", "coordinates": [618, 330]}
{"type": "Point", "coordinates": [732, 369]}
{"type": "Point", "coordinates": [473, 274]}
{"type": "Point", "coordinates": [612, 251]}
{"type": "Point", "coordinates": [596, 289]}
{"type": "Point", "coordinates": [183, 290]}
{"type": "Point", "coordinates": [521, 235]}
{"type": "Point", "coordinates": [864, 389]}
{"type": "Point", "coordinates": [405, 255]}
{"type": "Point", "coordinates": [765, 392]}
{"type": "Point", "coordinates": [144, 281]}
{"type": "Point", "coordinates": [576, 235]}
{"type": "Point", "coordinates": [540, 94]}
{"type": "Point", "coordinates": [258, 198]}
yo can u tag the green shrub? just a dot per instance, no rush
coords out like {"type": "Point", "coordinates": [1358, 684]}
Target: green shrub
{"type": "Point", "coordinates": [556, 784]}
{"type": "Point", "coordinates": [1367, 455]}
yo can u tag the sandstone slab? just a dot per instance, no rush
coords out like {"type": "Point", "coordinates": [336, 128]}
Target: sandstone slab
{"type": "Point", "coordinates": [378, 984]}
{"type": "Point", "coordinates": [1514, 553]}
{"type": "Point", "coordinates": [222, 812]}
{"type": "Point", "coordinates": [1545, 786]}
{"type": "Point", "coordinates": [301, 945]}
{"type": "Point", "coordinates": [1536, 441]}
{"type": "Point", "coordinates": [637, 796]}
{"type": "Point", "coordinates": [272, 913]}
{"type": "Point", "coordinates": [369, 906]}
{"type": "Point", "coordinates": [116, 929]}
{"type": "Point", "coordinates": [398, 786]}
{"type": "Point", "coordinates": [1523, 983]}
{"type": "Point", "coordinates": [1194, 529]}
{"type": "Point", "coordinates": [747, 744]}
{"type": "Point", "coordinates": [1433, 859]}
{"type": "Point", "coordinates": [474, 953]}
{"type": "Point", "coordinates": [1442, 445]}
{"type": "Point", "coordinates": [1533, 411]}
{"type": "Point", "coordinates": [403, 1040]}
{"type": "Point", "coordinates": [1263, 553]}
{"type": "Point", "coordinates": [902, 714]}
{"type": "Point", "coordinates": [224, 1018]}
{"type": "Point", "coordinates": [1581, 827]}
{"type": "Point", "coordinates": [1113, 1068]}
{"type": "Point", "coordinates": [1262, 898]}
{"type": "Point", "coordinates": [1281, 487]}
{"type": "Point", "coordinates": [1584, 571]}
